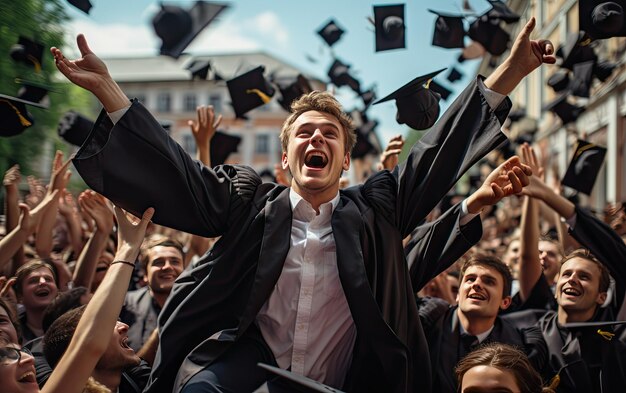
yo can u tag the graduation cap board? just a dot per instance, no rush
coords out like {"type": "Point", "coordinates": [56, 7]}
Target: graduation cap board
{"type": "Point", "coordinates": [449, 31]}
{"type": "Point", "coordinates": [331, 32]}
{"type": "Point", "coordinates": [177, 27]}
{"type": "Point", "coordinates": [292, 91]}
{"type": "Point", "coordinates": [584, 167]}
{"type": "Point", "coordinates": [564, 110]}
{"type": "Point", "coordinates": [13, 112]}
{"type": "Point", "coordinates": [559, 81]}
{"type": "Point", "coordinates": [500, 11]}
{"type": "Point", "coordinates": [490, 35]}
{"type": "Point", "coordinates": [287, 382]}
{"type": "Point", "coordinates": [28, 52]}
{"type": "Point", "coordinates": [74, 128]}
{"type": "Point", "coordinates": [454, 75]}
{"type": "Point", "coordinates": [199, 69]}
{"type": "Point", "coordinates": [339, 74]}
{"type": "Point", "coordinates": [602, 19]}
{"type": "Point", "coordinates": [583, 76]}
{"type": "Point", "coordinates": [223, 145]}
{"type": "Point", "coordinates": [418, 105]}
{"type": "Point", "coordinates": [364, 145]}
{"type": "Point", "coordinates": [575, 50]}
{"type": "Point", "coordinates": [249, 90]}
{"type": "Point", "coordinates": [390, 27]}
{"type": "Point", "coordinates": [443, 91]}
{"type": "Point", "coordinates": [603, 70]}
{"type": "Point", "coordinates": [83, 5]}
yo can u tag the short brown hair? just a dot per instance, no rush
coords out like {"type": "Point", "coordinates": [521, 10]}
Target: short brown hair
{"type": "Point", "coordinates": [324, 102]}
{"type": "Point", "coordinates": [605, 277]}
{"type": "Point", "coordinates": [57, 338]}
{"type": "Point", "coordinates": [155, 241]}
{"type": "Point", "coordinates": [27, 269]}
{"type": "Point", "coordinates": [503, 357]}
{"type": "Point", "coordinates": [494, 263]}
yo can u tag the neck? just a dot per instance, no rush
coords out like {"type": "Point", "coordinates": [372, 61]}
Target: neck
{"type": "Point", "coordinates": [475, 325]}
{"type": "Point", "coordinates": [108, 377]}
{"type": "Point", "coordinates": [316, 197]}
{"type": "Point", "coordinates": [565, 316]}
{"type": "Point", "coordinates": [34, 318]}
{"type": "Point", "coordinates": [159, 297]}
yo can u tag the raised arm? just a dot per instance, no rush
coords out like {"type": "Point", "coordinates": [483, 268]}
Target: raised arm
{"type": "Point", "coordinates": [96, 325]}
{"type": "Point", "coordinates": [11, 182]}
{"type": "Point", "coordinates": [203, 130]}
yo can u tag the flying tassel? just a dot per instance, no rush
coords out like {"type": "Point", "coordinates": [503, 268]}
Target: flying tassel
{"type": "Point", "coordinates": [264, 97]}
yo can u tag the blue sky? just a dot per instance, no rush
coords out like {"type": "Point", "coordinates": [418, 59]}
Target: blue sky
{"type": "Point", "coordinates": [286, 29]}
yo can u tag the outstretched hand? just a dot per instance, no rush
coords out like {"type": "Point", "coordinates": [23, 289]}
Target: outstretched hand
{"type": "Point", "coordinates": [389, 158]}
{"type": "Point", "coordinates": [509, 178]}
{"type": "Point", "coordinates": [130, 233]}
{"type": "Point", "coordinates": [527, 54]}
{"type": "Point", "coordinates": [537, 185]}
{"type": "Point", "coordinates": [88, 72]}
{"type": "Point", "coordinates": [204, 128]}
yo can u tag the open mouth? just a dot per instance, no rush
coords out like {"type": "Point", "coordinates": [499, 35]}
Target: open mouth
{"type": "Point", "coordinates": [476, 296]}
{"type": "Point", "coordinates": [124, 343]}
{"type": "Point", "coordinates": [28, 377]}
{"type": "Point", "coordinates": [571, 291]}
{"type": "Point", "coordinates": [316, 159]}
{"type": "Point", "coordinates": [42, 292]}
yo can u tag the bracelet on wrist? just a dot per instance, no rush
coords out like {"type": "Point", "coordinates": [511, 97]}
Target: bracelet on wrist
{"type": "Point", "coordinates": [124, 262]}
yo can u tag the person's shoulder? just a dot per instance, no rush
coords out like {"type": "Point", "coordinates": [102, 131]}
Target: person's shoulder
{"type": "Point", "coordinates": [135, 296]}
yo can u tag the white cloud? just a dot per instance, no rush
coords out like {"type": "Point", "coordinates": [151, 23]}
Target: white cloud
{"type": "Point", "coordinates": [114, 39]}
{"type": "Point", "coordinates": [268, 24]}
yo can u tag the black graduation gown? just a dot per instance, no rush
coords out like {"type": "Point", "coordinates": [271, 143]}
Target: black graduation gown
{"type": "Point", "coordinates": [442, 329]}
{"type": "Point", "coordinates": [137, 165]}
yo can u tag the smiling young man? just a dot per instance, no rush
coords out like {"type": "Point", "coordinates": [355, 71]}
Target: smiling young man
{"type": "Point", "coordinates": [305, 277]}
{"type": "Point", "coordinates": [453, 332]}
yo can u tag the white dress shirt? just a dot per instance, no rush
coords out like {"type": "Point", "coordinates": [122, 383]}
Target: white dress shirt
{"type": "Point", "coordinates": [306, 321]}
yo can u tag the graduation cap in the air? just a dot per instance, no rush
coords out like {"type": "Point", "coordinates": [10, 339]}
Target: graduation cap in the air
{"type": "Point", "coordinates": [74, 128]}
{"type": "Point", "coordinates": [249, 90]}
{"type": "Point", "coordinates": [583, 76]}
{"type": "Point", "coordinates": [331, 32]}
{"type": "Point", "coordinates": [292, 91]}
{"type": "Point", "coordinates": [284, 381]}
{"type": "Point", "coordinates": [564, 110]}
{"type": "Point", "coordinates": [390, 27]}
{"type": "Point", "coordinates": [223, 145]}
{"type": "Point", "coordinates": [418, 105]}
{"type": "Point", "coordinates": [28, 52]}
{"type": "Point", "coordinates": [490, 35]}
{"type": "Point", "coordinates": [500, 11]}
{"type": "Point", "coordinates": [199, 69]}
{"type": "Point", "coordinates": [449, 31]}
{"type": "Point", "coordinates": [368, 97]}
{"type": "Point", "coordinates": [364, 145]}
{"type": "Point", "coordinates": [339, 74]}
{"type": "Point", "coordinates": [177, 27]}
{"type": "Point", "coordinates": [83, 5]}
{"type": "Point", "coordinates": [559, 81]}
{"type": "Point", "coordinates": [603, 70]}
{"type": "Point", "coordinates": [13, 112]}
{"type": "Point", "coordinates": [443, 91]}
{"type": "Point", "coordinates": [517, 114]}
{"type": "Point", "coordinates": [575, 50]}
{"type": "Point", "coordinates": [584, 167]}
{"type": "Point", "coordinates": [454, 75]}
{"type": "Point", "coordinates": [602, 19]}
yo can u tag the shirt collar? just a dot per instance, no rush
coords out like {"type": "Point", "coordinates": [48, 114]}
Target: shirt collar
{"type": "Point", "coordinates": [296, 199]}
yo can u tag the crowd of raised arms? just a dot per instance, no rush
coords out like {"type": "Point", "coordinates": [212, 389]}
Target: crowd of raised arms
{"type": "Point", "coordinates": [384, 286]}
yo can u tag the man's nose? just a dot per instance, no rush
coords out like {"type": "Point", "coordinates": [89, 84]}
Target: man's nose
{"type": "Point", "coordinates": [317, 136]}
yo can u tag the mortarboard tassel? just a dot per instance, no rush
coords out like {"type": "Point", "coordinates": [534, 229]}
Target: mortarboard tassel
{"type": "Point", "coordinates": [554, 382]}
{"type": "Point", "coordinates": [264, 97]}
{"type": "Point", "coordinates": [606, 335]}
{"type": "Point", "coordinates": [35, 62]}
{"type": "Point", "coordinates": [24, 121]}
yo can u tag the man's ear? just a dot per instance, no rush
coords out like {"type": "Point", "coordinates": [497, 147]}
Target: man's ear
{"type": "Point", "coordinates": [346, 162]}
{"type": "Point", "coordinates": [284, 161]}
{"type": "Point", "coordinates": [505, 303]}
{"type": "Point", "coordinates": [601, 298]}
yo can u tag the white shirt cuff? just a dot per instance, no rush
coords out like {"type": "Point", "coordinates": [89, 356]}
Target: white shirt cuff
{"type": "Point", "coordinates": [466, 216]}
{"type": "Point", "coordinates": [118, 114]}
{"type": "Point", "coordinates": [571, 222]}
{"type": "Point", "coordinates": [493, 98]}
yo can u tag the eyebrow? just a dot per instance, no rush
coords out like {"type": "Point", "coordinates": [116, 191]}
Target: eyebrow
{"type": "Point", "coordinates": [323, 124]}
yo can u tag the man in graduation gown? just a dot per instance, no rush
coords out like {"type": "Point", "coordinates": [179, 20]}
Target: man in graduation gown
{"type": "Point", "coordinates": [232, 297]}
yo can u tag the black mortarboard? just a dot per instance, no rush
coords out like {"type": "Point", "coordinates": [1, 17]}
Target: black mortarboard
{"type": "Point", "coordinates": [223, 145]}
{"type": "Point", "coordinates": [517, 114]}
{"type": "Point", "coordinates": [584, 167]}
{"type": "Point", "coordinates": [390, 27]}
{"type": "Point", "coordinates": [199, 69]}
{"type": "Point", "coordinates": [490, 35]}
{"type": "Point", "coordinates": [363, 145]}
{"type": "Point", "coordinates": [331, 32]}
{"type": "Point", "coordinates": [564, 110]}
{"type": "Point", "coordinates": [603, 69]}
{"type": "Point", "coordinates": [368, 97]}
{"type": "Point", "coordinates": [559, 81]}
{"type": "Point", "coordinates": [449, 31]}
{"type": "Point", "coordinates": [339, 74]}
{"type": "Point", "coordinates": [602, 19]}
{"type": "Point", "coordinates": [500, 11]}
{"type": "Point", "coordinates": [177, 27]}
{"type": "Point", "coordinates": [293, 91]}
{"type": "Point", "coordinates": [443, 91]}
{"type": "Point", "coordinates": [83, 5]}
{"type": "Point", "coordinates": [418, 106]}
{"type": "Point", "coordinates": [583, 76]}
{"type": "Point", "coordinates": [28, 52]}
{"type": "Point", "coordinates": [454, 75]}
{"type": "Point", "coordinates": [249, 91]}
{"type": "Point", "coordinates": [74, 128]}
{"type": "Point", "coordinates": [575, 50]}
{"type": "Point", "coordinates": [13, 112]}
{"type": "Point", "coordinates": [288, 382]}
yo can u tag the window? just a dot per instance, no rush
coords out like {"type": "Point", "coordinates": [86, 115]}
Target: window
{"type": "Point", "coordinates": [262, 144]}
{"type": "Point", "coordinates": [216, 101]}
{"type": "Point", "coordinates": [189, 144]}
{"type": "Point", "coordinates": [190, 102]}
{"type": "Point", "coordinates": [164, 102]}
